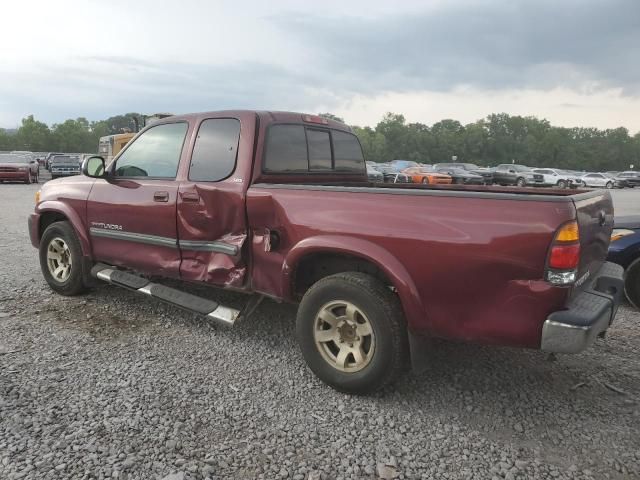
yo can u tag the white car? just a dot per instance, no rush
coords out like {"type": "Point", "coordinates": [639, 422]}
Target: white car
{"type": "Point", "coordinates": [598, 180]}
{"type": "Point", "coordinates": [555, 177]}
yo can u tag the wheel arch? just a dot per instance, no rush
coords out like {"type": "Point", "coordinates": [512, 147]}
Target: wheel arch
{"type": "Point", "coordinates": [54, 211]}
{"type": "Point", "coordinates": [341, 253]}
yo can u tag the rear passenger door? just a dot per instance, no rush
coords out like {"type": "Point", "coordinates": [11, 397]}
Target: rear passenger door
{"type": "Point", "coordinates": [211, 218]}
{"type": "Point", "coordinates": [131, 214]}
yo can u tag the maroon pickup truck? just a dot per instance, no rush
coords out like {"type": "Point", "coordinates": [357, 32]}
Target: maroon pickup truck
{"type": "Point", "coordinates": [278, 205]}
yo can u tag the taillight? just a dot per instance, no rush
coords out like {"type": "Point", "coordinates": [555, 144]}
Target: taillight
{"type": "Point", "coordinates": [564, 255]}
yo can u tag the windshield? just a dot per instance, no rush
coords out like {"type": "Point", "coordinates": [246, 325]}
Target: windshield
{"type": "Point", "coordinates": [13, 159]}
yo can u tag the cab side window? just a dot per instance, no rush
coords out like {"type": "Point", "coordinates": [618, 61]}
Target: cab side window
{"type": "Point", "coordinates": [155, 153]}
{"type": "Point", "coordinates": [215, 151]}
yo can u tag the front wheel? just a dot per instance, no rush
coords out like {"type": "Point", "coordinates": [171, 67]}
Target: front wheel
{"type": "Point", "coordinates": [425, 180]}
{"type": "Point", "coordinates": [609, 185]}
{"type": "Point", "coordinates": [632, 283]}
{"type": "Point", "coordinates": [521, 182]}
{"type": "Point", "coordinates": [351, 332]}
{"type": "Point", "coordinates": [562, 184]}
{"type": "Point", "coordinates": [61, 259]}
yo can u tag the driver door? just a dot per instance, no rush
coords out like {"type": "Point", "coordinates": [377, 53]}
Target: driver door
{"type": "Point", "coordinates": [131, 214]}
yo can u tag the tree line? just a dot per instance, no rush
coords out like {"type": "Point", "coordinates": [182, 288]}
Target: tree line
{"type": "Point", "coordinates": [501, 138]}
{"type": "Point", "coordinates": [498, 138]}
{"type": "Point", "coordinates": [71, 136]}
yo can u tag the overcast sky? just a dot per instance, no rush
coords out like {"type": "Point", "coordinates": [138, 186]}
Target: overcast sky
{"type": "Point", "coordinates": [576, 63]}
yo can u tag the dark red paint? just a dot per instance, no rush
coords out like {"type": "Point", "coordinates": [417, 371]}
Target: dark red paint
{"type": "Point", "coordinates": [464, 268]}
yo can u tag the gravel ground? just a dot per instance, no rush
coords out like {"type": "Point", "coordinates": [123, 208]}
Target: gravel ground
{"type": "Point", "coordinates": [110, 385]}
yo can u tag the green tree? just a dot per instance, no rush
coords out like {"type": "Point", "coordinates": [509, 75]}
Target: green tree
{"type": "Point", "coordinates": [32, 135]}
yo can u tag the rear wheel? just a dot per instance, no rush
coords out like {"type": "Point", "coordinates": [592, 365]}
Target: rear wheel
{"type": "Point", "coordinates": [562, 184]}
{"type": "Point", "coordinates": [351, 332]}
{"type": "Point", "coordinates": [61, 259]}
{"type": "Point", "coordinates": [425, 180]}
{"type": "Point", "coordinates": [520, 182]}
{"type": "Point", "coordinates": [609, 185]}
{"type": "Point", "coordinates": [632, 283]}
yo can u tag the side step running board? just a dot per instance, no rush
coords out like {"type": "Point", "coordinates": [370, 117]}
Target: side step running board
{"type": "Point", "coordinates": [210, 309]}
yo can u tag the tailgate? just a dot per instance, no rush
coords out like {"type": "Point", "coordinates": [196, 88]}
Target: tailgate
{"type": "Point", "coordinates": [594, 212]}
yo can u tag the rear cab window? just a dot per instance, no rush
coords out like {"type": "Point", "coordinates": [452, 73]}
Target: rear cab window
{"type": "Point", "coordinates": [301, 149]}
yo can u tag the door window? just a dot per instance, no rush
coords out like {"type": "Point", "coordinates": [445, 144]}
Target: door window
{"type": "Point", "coordinates": [215, 151]}
{"type": "Point", "coordinates": [155, 153]}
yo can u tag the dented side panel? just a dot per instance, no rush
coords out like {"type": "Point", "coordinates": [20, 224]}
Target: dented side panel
{"type": "Point", "coordinates": [211, 216]}
{"type": "Point", "coordinates": [212, 233]}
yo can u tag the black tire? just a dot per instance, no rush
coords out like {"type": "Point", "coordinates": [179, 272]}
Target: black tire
{"type": "Point", "coordinates": [521, 182]}
{"type": "Point", "coordinates": [74, 284]}
{"type": "Point", "coordinates": [632, 283]}
{"type": "Point", "coordinates": [425, 180]}
{"type": "Point", "coordinates": [609, 185]}
{"type": "Point", "coordinates": [384, 313]}
{"type": "Point", "coordinates": [562, 184]}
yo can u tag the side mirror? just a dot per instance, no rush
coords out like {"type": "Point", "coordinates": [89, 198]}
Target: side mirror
{"type": "Point", "coordinates": [93, 167]}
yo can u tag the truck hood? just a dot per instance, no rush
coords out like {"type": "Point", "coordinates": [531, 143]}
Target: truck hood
{"type": "Point", "coordinates": [76, 187]}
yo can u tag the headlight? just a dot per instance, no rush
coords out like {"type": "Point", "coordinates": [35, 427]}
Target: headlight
{"type": "Point", "coordinates": [619, 233]}
{"type": "Point", "coordinates": [23, 169]}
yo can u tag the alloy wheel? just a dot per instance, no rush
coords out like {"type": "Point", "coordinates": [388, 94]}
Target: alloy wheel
{"type": "Point", "coordinates": [59, 260]}
{"type": "Point", "coordinates": [344, 336]}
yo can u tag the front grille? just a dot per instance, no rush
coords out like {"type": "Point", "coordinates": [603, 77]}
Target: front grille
{"type": "Point", "coordinates": [538, 177]}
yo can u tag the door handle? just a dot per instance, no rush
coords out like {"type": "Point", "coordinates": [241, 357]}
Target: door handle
{"type": "Point", "coordinates": [190, 197]}
{"type": "Point", "coordinates": [160, 196]}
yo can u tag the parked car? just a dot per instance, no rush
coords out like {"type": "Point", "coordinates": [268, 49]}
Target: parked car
{"type": "Point", "coordinates": [531, 267]}
{"type": "Point", "coordinates": [400, 165]}
{"type": "Point", "coordinates": [624, 250]}
{"type": "Point", "coordinates": [485, 173]}
{"type": "Point", "coordinates": [460, 176]}
{"type": "Point", "coordinates": [48, 157]}
{"type": "Point", "coordinates": [391, 175]}
{"type": "Point", "coordinates": [556, 177]}
{"type": "Point", "coordinates": [374, 175]}
{"type": "Point", "coordinates": [598, 180]}
{"type": "Point", "coordinates": [20, 168]}
{"type": "Point", "coordinates": [64, 165]}
{"type": "Point", "coordinates": [427, 175]}
{"type": "Point", "coordinates": [513, 174]}
{"type": "Point", "coordinates": [629, 179]}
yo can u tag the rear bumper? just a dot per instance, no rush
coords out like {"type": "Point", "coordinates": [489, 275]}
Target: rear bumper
{"type": "Point", "coordinates": [589, 313]}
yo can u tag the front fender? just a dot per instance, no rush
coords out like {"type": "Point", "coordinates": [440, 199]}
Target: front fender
{"type": "Point", "coordinates": [55, 206]}
{"type": "Point", "coordinates": [357, 247]}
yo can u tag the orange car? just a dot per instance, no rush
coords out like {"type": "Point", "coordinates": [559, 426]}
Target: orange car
{"type": "Point", "coordinates": [426, 175]}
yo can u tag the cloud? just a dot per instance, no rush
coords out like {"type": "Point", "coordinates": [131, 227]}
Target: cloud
{"type": "Point", "coordinates": [287, 56]}
{"type": "Point", "coordinates": [493, 45]}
